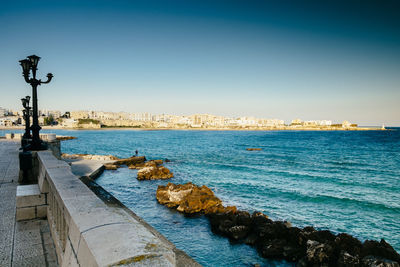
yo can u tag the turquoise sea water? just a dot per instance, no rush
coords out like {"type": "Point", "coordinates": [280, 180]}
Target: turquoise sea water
{"type": "Point", "coordinates": [344, 181]}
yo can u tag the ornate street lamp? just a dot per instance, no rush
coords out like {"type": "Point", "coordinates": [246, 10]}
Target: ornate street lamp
{"type": "Point", "coordinates": [28, 65]}
{"type": "Point", "coordinates": [26, 112]}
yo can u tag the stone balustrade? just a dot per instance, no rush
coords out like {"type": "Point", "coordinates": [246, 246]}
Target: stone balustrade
{"type": "Point", "coordinates": [50, 137]}
{"type": "Point", "coordinates": [87, 232]}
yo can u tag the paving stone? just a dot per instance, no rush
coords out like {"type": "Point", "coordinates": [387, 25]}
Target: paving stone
{"type": "Point", "coordinates": [47, 239]}
{"type": "Point", "coordinates": [27, 251]}
{"type": "Point", "coordinates": [29, 195]}
{"type": "Point", "coordinates": [44, 226]}
{"type": "Point", "coordinates": [36, 261]}
{"type": "Point", "coordinates": [26, 213]}
{"type": "Point", "coordinates": [41, 211]}
{"type": "Point", "coordinates": [51, 255]}
{"type": "Point", "coordinates": [6, 239]}
{"type": "Point", "coordinates": [5, 256]}
{"type": "Point", "coordinates": [28, 237]}
{"type": "Point", "coordinates": [52, 264]}
{"type": "Point", "coordinates": [28, 225]}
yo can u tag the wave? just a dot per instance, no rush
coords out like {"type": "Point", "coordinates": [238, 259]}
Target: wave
{"type": "Point", "coordinates": [309, 198]}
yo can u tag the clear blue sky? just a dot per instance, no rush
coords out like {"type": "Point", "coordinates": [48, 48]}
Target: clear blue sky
{"type": "Point", "coordinates": [276, 59]}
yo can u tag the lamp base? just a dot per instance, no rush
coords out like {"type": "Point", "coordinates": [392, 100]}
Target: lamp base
{"type": "Point", "coordinates": [36, 147]}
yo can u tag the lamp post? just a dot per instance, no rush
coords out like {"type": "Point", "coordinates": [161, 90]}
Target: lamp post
{"type": "Point", "coordinates": [30, 64]}
{"type": "Point", "coordinates": [26, 112]}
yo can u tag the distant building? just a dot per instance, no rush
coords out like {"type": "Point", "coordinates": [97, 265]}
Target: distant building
{"type": "Point", "coordinates": [9, 121]}
{"type": "Point", "coordinates": [66, 115]}
{"type": "Point", "coordinates": [317, 123]}
{"type": "Point", "coordinates": [2, 112]}
{"type": "Point", "coordinates": [297, 122]}
{"type": "Point", "coordinates": [141, 116]}
{"type": "Point", "coordinates": [346, 124]}
{"type": "Point", "coordinates": [47, 113]}
{"type": "Point", "coordinates": [79, 115]}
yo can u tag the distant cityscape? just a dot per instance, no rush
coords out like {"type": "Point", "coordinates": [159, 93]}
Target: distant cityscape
{"type": "Point", "coordinates": [100, 119]}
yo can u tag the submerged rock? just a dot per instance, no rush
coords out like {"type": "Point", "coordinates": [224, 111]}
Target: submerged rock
{"type": "Point", "coordinates": [253, 149]}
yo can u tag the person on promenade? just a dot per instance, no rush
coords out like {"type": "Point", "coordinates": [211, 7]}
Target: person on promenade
{"type": "Point", "coordinates": [136, 153]}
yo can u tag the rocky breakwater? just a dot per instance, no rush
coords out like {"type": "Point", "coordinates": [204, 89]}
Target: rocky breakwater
{"type": "Point", "coordinates": [305, 246]}
{"type": "Point", "coordinates": [277, 239]}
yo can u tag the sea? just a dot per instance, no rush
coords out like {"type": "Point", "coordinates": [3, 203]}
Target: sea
{"type": "Point", "coordinates": [343, 181]}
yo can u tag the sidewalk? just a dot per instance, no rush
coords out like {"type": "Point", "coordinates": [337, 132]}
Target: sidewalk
{"type": "Point", "coordinates": [26, 243]}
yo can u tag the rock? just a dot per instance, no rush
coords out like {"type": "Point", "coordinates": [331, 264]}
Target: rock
{"type": "Point", "coordinates": [323, 236]}
{"type": "Point", "coordinates": [318, 253]}
{"type": "Point", "coordinates": [371, 261]}
{"type": "Point", "coordinates": [273, 249]}
{"type": "Point", "coordinates": [293, 237]}
{"type": "Point", "coordinates": [345, 259]}
{"type": "Point", "coordinates": [189, 198]}
{"type": "Point", "coordinates": [243, 218]}
{"type": "Point", "coordinates": [220, 222]}
{"type": "Point", "coordinates": [273, 230]}
{"type": "Point", "coordinates": [347, 243]}
{"type": "Point", "coordinates": [154, 172]}
{"type": "Point", "coordinates": [259, 220]}
{"type": "Point", "coordinates": [380, 249]}
{"type": "Point", "coordinates": [293, 253]}
{"type": "Point", "coordinates": [130, 161]}
{"type": "Point", "coordinates": [253, 149]}
{"type": "Point", "coordinates": [157, 161]}
{"type": "Point", "coordinates": [200, 199]}
{"type": "Point", "coordinates": [144, 164]}
{"type": "Point", "coordinates": [251, 239]}
{"type": "Point", "coordinates": [110, 166]}
{"type": "Point", "coordinates": [63, 138]}
{"type": "Point", "coordinates": [238, 232]}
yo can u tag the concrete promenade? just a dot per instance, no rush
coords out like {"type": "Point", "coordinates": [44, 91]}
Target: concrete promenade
{"type": "Point", "coordinates": [26, 243]}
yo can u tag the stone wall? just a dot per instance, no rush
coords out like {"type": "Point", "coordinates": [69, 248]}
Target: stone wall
{"type": "Point", "coordinates": [87, 232]}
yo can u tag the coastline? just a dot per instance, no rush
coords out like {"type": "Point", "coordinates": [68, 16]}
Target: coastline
{"type": "Point", "coordinates": [286, 128]}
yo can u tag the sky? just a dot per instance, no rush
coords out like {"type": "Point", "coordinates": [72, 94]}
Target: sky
{"type": "Point", "coordinates": [335, 60]}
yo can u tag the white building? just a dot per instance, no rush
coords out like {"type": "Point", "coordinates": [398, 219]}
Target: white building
{"type": "Point", "coordinates": [2, 112]}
